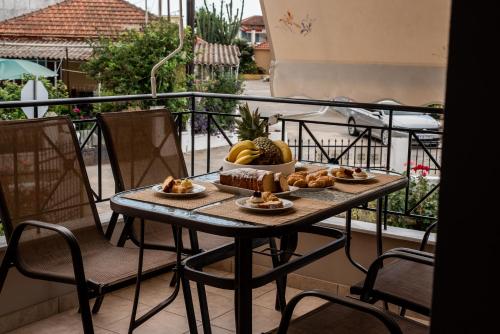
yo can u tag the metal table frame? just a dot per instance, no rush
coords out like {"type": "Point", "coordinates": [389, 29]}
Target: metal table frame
{"type": "Point", "coordinates": [245, 236]}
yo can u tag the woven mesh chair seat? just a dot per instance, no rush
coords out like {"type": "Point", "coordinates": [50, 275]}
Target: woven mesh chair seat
{"type": "Point", "coordinates": [403, 282]}
{"type": "Point", "coordinates": [144, 149]}
{"type": "Point", "coordinates": [43, 177]}
{"type": "Point", "coordinates": [104, 263]}
{"type": "Point", "coordinates": [337, 319]}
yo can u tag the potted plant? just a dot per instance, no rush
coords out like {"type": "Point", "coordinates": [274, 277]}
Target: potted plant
{"type": "Point", "coordinates": [255, 149]}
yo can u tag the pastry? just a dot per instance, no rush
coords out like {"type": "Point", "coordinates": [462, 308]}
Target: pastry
{"type": "Point", "coordinates": [334, 171]}
{"type": "Point", "coordinates": [311, 177]}
{"type": "Point", "coordinates": [359, 174]}
{"type": "Point", "coordinates": [168, 184]}
{"type": "Point", "coordinates": [319, 173]}
{"type": "Point", "coordinates": [186, 183]}
{"type": "Point", "coordinates": [329, 180]}
{"type": "Point", "coordinates": [271, 205]}
{"type": "Point", "coordinates": [348, 172]}
{"type": "Point", "coordinates": [255, 200]}
{"type": "Point", "coordinates": [317, 184]}
{"type": "Point", "coordinates": [294, 178]}
{"type": "Point", "coordinates": [300, 183]}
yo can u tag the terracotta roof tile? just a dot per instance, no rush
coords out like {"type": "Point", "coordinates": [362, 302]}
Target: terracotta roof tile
{"type": "Point", "coordinates": [74, 19]}
{"type": "Point", "coordinates": [256, 20]}
{"type": "Point", "coordinates": [216, 54]}
{"type": "Point", "coordinates": [53, 50]}
{"type": "Point", "coordinates": [262, 46]}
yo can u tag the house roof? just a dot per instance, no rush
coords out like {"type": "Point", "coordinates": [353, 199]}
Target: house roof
{"type": "Point", "coordinates": [216, 54]}
{"type": "Point", "coordinates": [52, 50]}
{"type": "Point", "coordinates": [255, 20]}
{"type": "Point", "coordinates": [74, 19]}
{"type": "Point", "coordinates": [262, 46]}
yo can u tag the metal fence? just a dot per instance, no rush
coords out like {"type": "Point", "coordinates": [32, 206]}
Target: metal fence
{"type": "Point", "coordinates": [362, 150]}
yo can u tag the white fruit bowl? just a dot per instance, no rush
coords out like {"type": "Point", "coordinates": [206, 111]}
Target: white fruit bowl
{"type": "Point", "coordinates": [286, 168]}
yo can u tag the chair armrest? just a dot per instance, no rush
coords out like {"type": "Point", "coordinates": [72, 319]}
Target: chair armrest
{"type": "Point", "coordinates": [405, 254]}
{"type": "Point", "coordinates": [387, 320]}
{"type": "Point", "coordinates": [427, 233]}
{"type": "Point", "coordinates": [65, 233]}
{"type": "Point", "coordinates": [413, 251]}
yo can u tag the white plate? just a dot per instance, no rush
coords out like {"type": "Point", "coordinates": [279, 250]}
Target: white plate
{"type": "Point", "coordinates": [354, 180]}
{"type": "Point", "coordinates": [195, 191]}
{"type": "Point", "coordinates": [314, 189]}
{"type": "Point", "coordinates": [243, 191]}
{"type": "Point", "coordinates": [242, 203]}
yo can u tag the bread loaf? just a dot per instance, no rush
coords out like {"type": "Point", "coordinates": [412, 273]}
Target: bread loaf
{"type": "Point", "coordinates": [249, 178]}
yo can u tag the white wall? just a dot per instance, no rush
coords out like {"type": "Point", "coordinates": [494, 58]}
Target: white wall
{"type": "Point", "coordinates": [12, 8]}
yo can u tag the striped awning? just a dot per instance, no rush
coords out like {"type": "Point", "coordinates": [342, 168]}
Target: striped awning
{"type": "Point", "coordinates": [52, 50]}
{"type": "Point", "coordinates": [216, 54]}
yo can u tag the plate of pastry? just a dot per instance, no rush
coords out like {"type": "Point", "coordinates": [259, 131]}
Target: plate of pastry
{"type": "Point", "coordinates": [244, 181]}
{"type": "Point", "coordinates": [346, 174]}
{"type": "Point", "coordinates": [264, 202]}
{"type": "Point", "coordinates": [311, 181]}
{"type": "Point", "coordinates": [172, 187]}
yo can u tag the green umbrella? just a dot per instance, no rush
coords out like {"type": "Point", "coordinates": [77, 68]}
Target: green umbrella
{"type": "Point", "coordinates": [12, 69]}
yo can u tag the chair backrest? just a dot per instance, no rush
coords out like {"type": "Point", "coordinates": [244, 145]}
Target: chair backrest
{"type": "Point", "coordinates": [143, 147]}
{"type": "Point", "coordinates": [42, 176]}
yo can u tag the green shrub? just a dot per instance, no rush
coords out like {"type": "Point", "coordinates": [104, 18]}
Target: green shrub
{"type": "Point", "coordinates": [123, 66]}
{"type": "Point", "coordinates": [11, 91]}
{"type": "Point", "coordinates": [224, 83]}
{"type": "Point", "coordinates": [419, 187]}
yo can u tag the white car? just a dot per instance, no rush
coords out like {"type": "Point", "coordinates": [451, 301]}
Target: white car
{"type": "Point", "coordinates": [380, 118]}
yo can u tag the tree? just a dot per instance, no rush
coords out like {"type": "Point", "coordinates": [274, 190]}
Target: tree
{"type": "Point", "coordinates": [215, 27]}
{"type": "Point", "coordinates": [123, 65]}
{"type": "Point", "coordinates": [247, 62]}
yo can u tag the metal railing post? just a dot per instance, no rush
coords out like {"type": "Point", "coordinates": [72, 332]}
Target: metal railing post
{"type": "Point", "coordinates": [300, 141]}
{"type": "Point", "coordinates": [99, 162]}
{"type": "Point", "coordinates": [209, 117]}
{"type": "Point", "coordinates": [193, 115]}
{"type": "Point", "coordinates": [369, 149]}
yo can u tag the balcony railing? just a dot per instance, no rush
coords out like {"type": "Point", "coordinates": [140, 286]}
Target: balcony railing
{"type": "Point", "coordinates": [359, 151]}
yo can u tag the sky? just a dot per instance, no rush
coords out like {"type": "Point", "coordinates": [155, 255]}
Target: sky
{"type": "Point", "coordinates": [252, 7]}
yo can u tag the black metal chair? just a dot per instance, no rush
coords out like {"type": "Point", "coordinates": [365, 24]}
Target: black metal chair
{"type": "Point", "coordinates": [406, 281]}
{"type": "Point", "coordinates": [343, 315]}
{"type": "Point", "coordinates": [50, 218]}
{"type": "Point", "coordinates": [143, 148]}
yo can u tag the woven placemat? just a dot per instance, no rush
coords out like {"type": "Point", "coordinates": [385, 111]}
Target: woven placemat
{"type": "Point", "coordinates": [301, 207]}
{"type": "Point", "coordinates": [212, 195]}
{"type": "Point", "coordinates": [310, 168]}
{"type": "Point", "coordinates": [356, 188]}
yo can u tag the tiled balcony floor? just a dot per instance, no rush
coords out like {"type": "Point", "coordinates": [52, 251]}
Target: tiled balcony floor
{"type": "Point", "coordinates": [114, 315]}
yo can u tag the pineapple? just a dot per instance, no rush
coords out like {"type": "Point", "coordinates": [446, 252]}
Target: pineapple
{"type": "Point", "coordinates": [270, 154]}
{"type": "Point", "coordinates": [251, 127]}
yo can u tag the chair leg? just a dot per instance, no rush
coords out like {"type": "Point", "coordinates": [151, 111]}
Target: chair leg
{"type": "Point", "coordinates": [174, 276]}
{"type": "Point", "coordinates": [280, 303]}
{"type": "Point", "coordinates": [202, 294]}
{"type": "Point", "coordinates": [97, 304]}
{"type": "Point", "coordinates": [132, 323]}
{"type": "Point", "coordinates": [111, 225]}
{"type": "Point", "coordinates": [84, 308]}
{"type": "Point", "coordinates": [127, 229]}
{"type": "Point", "coordinates": [403, 311]}
{"type": "Point", "coordinates": [5, 266]}
{"type": "Point", "coordinates": [188, 301]}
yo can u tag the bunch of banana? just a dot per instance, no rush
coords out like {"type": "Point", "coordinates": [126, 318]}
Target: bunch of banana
{"type": "Point", "coordinates": [243, 153]}
{"type": "Point", "coordinates": [286, 153]}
